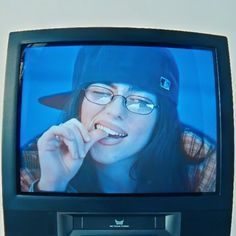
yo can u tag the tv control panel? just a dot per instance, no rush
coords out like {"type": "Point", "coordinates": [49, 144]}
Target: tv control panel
{"type": "Point", "coordinates": [161, 224]}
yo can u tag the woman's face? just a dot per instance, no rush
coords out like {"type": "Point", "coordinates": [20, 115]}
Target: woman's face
{"type": "Point", "coordinates": [128, 132]}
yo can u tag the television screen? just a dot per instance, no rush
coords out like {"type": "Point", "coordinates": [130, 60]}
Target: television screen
{"type": "Point", "coordinates": [118, 119]}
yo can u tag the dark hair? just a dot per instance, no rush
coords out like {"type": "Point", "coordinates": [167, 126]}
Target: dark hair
{"type": "Point", "coordinates": [161, 166]}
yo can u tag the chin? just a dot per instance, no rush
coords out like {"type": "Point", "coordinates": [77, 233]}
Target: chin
{"type": "Point", "coordinates": [106, 159]}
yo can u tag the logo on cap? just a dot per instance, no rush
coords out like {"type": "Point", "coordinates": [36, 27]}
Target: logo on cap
{"type": "Point", "coordinates": [165, 83]}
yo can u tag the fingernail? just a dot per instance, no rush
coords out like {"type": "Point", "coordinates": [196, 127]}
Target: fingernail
{"type": "Point", "coordinates": [87, 139]}
{"type": "Point", "coordinates": [83, 155]}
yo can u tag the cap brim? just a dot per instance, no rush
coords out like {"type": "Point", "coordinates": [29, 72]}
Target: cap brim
{"type": "Point", "coordinates": [57, 101]}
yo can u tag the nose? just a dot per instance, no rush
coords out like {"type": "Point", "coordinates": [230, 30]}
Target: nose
{"type": "Point", "coordinates": [116, 108]}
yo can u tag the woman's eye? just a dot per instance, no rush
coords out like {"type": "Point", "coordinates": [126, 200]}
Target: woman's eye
{"type": "Point", "coordinates": [139, 101]}
{"type": "Point", "coordinates": [102, 93]}
{"type": "Point", "coordinates": [98, 95]}
{"type": "Point", "coordinates": [99, 91]}
{"type": "Point", "coordinates": [143, 103]}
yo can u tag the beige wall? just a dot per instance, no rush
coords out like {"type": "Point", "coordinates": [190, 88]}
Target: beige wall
{"type": "Point", "coordinates": [209, 16]}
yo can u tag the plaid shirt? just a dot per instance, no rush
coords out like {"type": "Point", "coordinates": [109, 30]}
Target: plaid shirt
{"type": "Point", "coordinates": [200, 154]}
{"type": "Point", "coordinates": [201, 157]}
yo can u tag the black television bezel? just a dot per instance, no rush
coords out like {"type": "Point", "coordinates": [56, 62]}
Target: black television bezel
{"type": "Point", "coordinates": [145, 203]}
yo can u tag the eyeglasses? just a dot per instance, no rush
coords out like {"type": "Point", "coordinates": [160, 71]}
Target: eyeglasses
{"type": "Point", "coordinates": [134, 103]}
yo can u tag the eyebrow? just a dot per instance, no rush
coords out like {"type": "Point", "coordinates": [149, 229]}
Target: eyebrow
{"type": "Point", "coordinates": [131, 88]}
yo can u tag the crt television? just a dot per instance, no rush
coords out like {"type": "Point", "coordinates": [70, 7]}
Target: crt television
{"type": "Point", "coordinates": [117, 131]}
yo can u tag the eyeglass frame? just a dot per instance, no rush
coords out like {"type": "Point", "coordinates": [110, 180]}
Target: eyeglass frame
{"type": "Point", "coordinates": [118, 95]}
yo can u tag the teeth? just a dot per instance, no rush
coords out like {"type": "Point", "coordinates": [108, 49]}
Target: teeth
{"type": "Point", "coordinates": [109, 131]}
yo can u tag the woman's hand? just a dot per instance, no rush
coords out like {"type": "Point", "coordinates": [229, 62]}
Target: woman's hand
{"type": "Point", "coordinates": [61, 153]}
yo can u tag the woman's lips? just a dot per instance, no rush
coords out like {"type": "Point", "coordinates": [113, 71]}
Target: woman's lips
{"type": "Point", "coordinates": [111, 130]}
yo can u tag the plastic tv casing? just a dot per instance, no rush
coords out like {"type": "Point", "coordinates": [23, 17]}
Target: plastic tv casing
{"type": "Point", "coordinates": [116, 214]}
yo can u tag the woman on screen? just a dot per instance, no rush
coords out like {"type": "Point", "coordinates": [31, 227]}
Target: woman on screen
{"type": "Point", "coordinates": [121, 132]}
